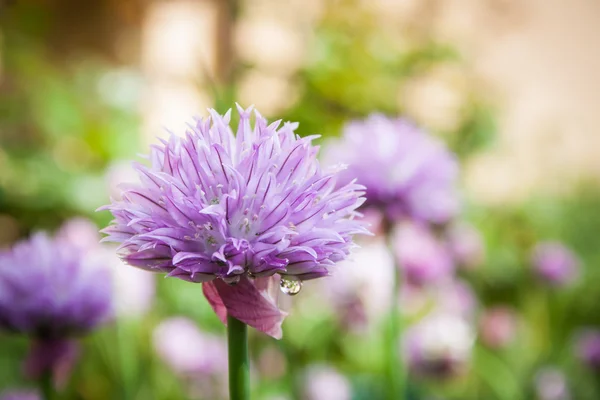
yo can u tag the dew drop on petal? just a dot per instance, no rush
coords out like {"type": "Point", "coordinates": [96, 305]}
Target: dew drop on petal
{"type": "Point", "coordinates": [290, 287]}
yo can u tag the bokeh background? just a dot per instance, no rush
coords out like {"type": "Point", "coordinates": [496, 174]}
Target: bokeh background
{"type": "Point", "coordinates": [512, 87]}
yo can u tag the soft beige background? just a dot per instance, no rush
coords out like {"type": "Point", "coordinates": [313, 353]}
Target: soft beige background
{"type": "Point", "coordinates": [537, 61]}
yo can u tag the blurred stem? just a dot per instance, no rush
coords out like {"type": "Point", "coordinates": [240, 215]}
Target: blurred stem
{"type": "Point", "coordinates": [239, 365]}
{"type": "Point", "coordinates": [125, 359]}
{"type": "Point", "coordinates": [396, 376]}
{"type": "Point", "coordinates": [46, 386]}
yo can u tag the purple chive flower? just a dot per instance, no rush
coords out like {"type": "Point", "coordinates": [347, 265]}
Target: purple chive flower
{"type": "Point", "coordinates": [407, 173]}
{"type": "Point", "coordinates": [421, 256]}
{"type": "Point", "coordinates": [231, 210]}
{"type": "Point", "coordinates": [198, 357]}
{"type": "Point", "coordinates": [588, 348]}
{"type": "Point", "coordinates": [52, 290]}
{"type": "Point", "coordinates": [554, 263]}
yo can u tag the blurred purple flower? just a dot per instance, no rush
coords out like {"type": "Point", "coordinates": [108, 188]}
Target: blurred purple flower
{"type": "Point", "coordinates": [189, 351]}
{"type": "Point", "coordinates": [465, 245]}
{"type": "Point", "coordinates": [325, 383]}
{"type": "Point", "coordinates": [588, 347]}
{"type": "Point", "coordinates": [220, 208]}
{"type": "Point", "coordinates": [551, 384]}
{"type": "Point", "coordinates": [421, 256]}
{"type": "Point", "coordinates": [407, 173]}
{"type": "Point", "coordinates": [555, 263]}
{"type": "Point", "coordinates": [498, 326]}
{"type": "Point", "coordinates": [438, 346]}
{"type": "Point", "coordinates": [20, 395]}
{"type": "Point", "coordinates": [52, 290]}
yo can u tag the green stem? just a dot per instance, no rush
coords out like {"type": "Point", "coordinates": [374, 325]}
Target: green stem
{"type": "Point", "coordinates": [46, 386]}
{"type": "Point", "coordinates": [239, 366]}
{"type": "Point", "coordinates": [125, 359]}
{"type": "Point", "coordinates": [396, 375]}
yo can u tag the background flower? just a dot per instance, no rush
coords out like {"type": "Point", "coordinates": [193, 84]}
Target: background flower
{"type": "Point", "coordinates": [19, 395]}
{"type": "Point", "coordinates": [53, 289]}
{"type": "Point", "coordinates": [422, 257]}
{"type": "Point", "coordinates": [498, 326]}
{"type": "Point", "coordinates": [438, 346]}
{"type": "Point", "coordinates": [551, 384]}
{"type": "Point", "coordinates": [407, 173]}
{"type": "Point", "coordinates": [323, 382]}
{"type": "Point", "coordinates": [588, 347]}
{"type": "Point", "coordinates": [554, 263]}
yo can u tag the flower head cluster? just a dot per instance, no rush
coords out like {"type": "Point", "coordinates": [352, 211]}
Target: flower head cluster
{"type": "Point", "coordinates": [219, 208]}
{"type": "Point", "coordinates": [588, 348]}
{"type": "Point", "coordinates": [407, 173]}
{"type": "Point", "coordinates": [554, 263]}
{"type": "Point", "coordinates": [49, 289]}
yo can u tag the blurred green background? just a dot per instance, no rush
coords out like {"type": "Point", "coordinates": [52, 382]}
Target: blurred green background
{"type": "Point", "coordinates": [86, 86]}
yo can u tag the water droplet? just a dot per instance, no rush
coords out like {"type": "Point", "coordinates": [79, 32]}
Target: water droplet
{"type": "Point", "coordinates": [290, 287]}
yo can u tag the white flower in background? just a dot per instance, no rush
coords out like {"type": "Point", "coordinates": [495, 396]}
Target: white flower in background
{"type": "Point", "coordinates": [439, 346]}
{"type": "Point", "coordinates": [133, 288]}
{"type": "Point", "coordinates": [323, 382]}
{"type": "Point", "coordinates": [360, 290]}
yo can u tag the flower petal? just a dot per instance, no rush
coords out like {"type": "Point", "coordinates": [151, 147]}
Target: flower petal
{"type": "Point", "coordinates": [247, 301]}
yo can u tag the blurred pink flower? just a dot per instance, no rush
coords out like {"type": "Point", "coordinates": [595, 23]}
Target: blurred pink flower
{"type": "Point", "coordinates": [555, 263]}
{"type": "Point", "coordinates": [551, 384]}
{"type": "Point", "coordinates": [20, 395]}
{"type": "Point", "coordinates": [189, 351]}
{"type": "Point", "coordinates": [588, 347]}
{"type": "Point", "coordinates": [498, 326]}
{"type": "Point", "coordinates": [465, 245]}
{"type": "Point", "coordinates": [323, 382]}
{"type": "Point", "coordinates": [421, 256]}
